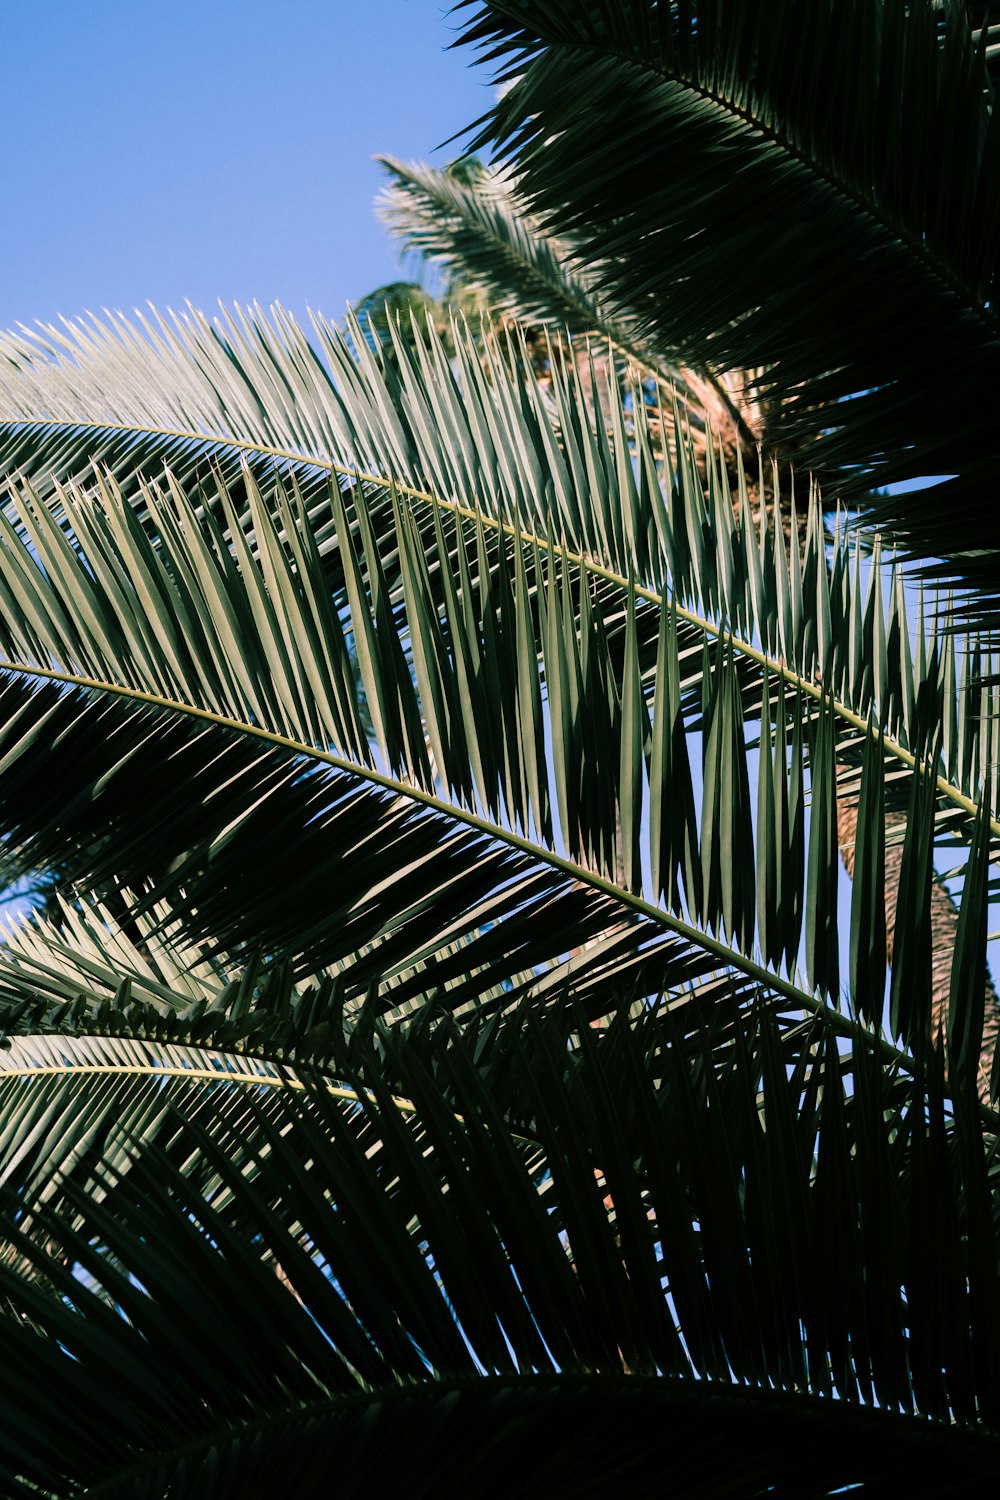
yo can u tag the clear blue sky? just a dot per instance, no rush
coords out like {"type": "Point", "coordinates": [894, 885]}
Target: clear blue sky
{"type": "Point", "coordinates": [163, 150]}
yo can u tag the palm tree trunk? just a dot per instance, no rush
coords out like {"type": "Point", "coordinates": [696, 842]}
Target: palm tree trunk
{"type": "Point", "coordinates": [943, 911]}
{"type": "Point", "coordinates": [944, 927]}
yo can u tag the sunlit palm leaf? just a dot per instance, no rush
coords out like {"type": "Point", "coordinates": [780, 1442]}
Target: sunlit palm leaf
{"type": "Point", "coordinates": [471, 229]}
{"type": "Point", "coordinates": [398, 429]}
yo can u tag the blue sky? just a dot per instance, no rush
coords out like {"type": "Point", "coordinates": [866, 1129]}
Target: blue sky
{"type": "Point", "coordinates": [163, 150]}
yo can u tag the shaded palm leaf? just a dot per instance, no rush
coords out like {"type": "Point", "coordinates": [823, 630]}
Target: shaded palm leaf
{"type": "Point", "coordinates": [352, 1266]}
{"type": "Point", "coordinates": [822, 117]}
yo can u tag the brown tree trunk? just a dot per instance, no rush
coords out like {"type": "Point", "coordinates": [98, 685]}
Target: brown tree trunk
{"type": "Point", "coordinates": [944, 926]}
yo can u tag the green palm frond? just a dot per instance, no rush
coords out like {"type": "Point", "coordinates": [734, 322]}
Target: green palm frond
{"type": "Point", "coordinates": [130, 993]}
{"type": "Point", "coordinates": [822, 116]}
{"type": "Point", "coordinates": [473, 230]}
{"type": "Point", "coordinates": [489, 444]}
{"type": "Point", "coordinates": [375, 882]}
{"type": "Point", "coordinates": [623, 1253]}
{"type": "Point", "coordinates": [65, 1104]}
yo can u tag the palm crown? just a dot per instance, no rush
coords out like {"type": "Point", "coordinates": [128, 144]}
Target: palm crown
{"type": "Point", "coordinates": [445, 1038]}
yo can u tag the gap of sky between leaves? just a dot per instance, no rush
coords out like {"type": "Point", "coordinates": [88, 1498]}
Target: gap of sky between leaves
{"type": "Point", "coordinates": [178, 150]}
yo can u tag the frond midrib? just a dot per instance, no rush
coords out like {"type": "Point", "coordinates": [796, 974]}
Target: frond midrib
{"type": "Point", "coordinates": [777, 668]}
{"type": "Point", "coordinates": [151, 1069]}
{"type": "Point", "coordinates": [283, 1078]}
{"type": "Point", "coordinates": [727, 956]}
{"type": "Point", "coordinates": [851, 1416]}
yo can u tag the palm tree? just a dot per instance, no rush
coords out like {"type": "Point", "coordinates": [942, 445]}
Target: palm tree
{"type": "Point", "coordinates": [445, 1047]}
{"type": "Point", "coordinates": [472, 230]}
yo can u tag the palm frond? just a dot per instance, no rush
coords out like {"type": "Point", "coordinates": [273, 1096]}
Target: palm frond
{"type": "Point", "coordinates": [380, 884]}
{"type": "Point", "coordinates": [472, 230]}
{"type": "Point", "coordinates": [129, 992]}
{"type": "Point", "coordinates": [353, 1269]}
{"type": "Point", "coordinates": [485, 442]}
{"type": "Point", "coordinates": [452, 1030]}
{"type": "Point", "coordinates": [822, 119]}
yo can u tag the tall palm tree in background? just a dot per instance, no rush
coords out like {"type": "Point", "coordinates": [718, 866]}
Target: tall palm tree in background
{"type": "Point", "coordinates": [448, 1054]}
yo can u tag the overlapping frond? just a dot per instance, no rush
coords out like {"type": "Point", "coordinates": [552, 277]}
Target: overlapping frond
{"type": "Point", "coordinates": [128, 993]}
{"type": "Point", "coordinates": [481, 439]}
{"type": "Point", "coordinates": [453, 1025]}
{"type": "Point", "coordinates": [514, 737]}
{"type": "Point", "coordinates": [624, 1252]}
{"type": "Point", "coordinates": [849, 246]}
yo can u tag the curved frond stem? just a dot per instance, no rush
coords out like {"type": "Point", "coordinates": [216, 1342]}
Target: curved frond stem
{"type": "Point", "coordinates": [727, 955]}
{"type": "Point", "coordinates": [777, 668]}
{"type": "Point", "coordinates": [856, 1423]}
{"type": "Point", "coordinates": [195, 1075]}
{"type": "Point", "coordinates": [644, 1267]}
{"type": "Point", "coordinates": [281, 1080]}
{"type": "Point", "coordinates": [213, 439]}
